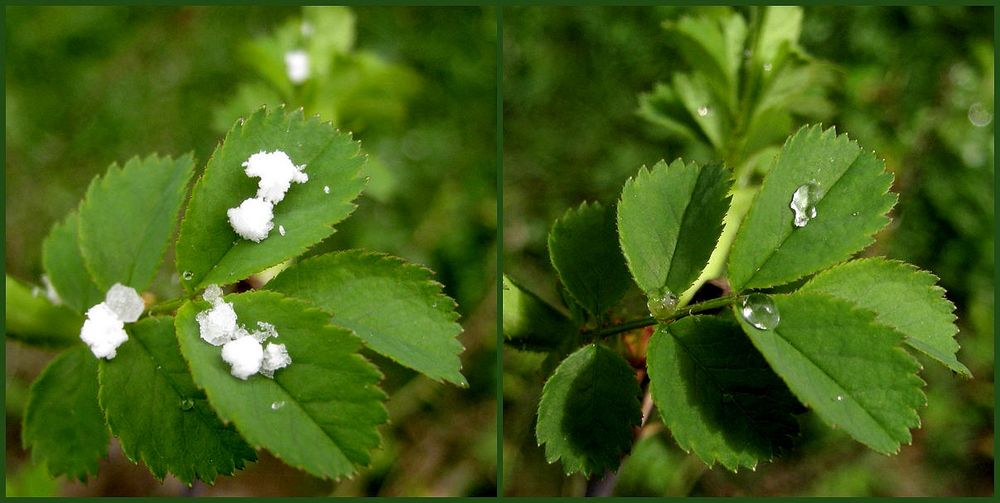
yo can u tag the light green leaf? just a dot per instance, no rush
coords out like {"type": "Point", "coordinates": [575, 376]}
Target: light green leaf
{"type": "Point", "coordinates": [713, 47]}
{"type": "Point", "coordinates": [395, 307]}
{"type": "Point", "coordinates": [717, 394]}
{"type": "Point", "coordinates": [669, 220]}
{"type": "Point", "coordinates": [128, 217]}
{"type": "Point", "coordinates": [704, 109]}
{"type": "Point", "coordinates": [530, 323]}
{"type": "Point", "coordinates": [846, 367]}
{"type": "Point", "coordinates": [662, 107]}
{"type": "Point", "coordinates": [159, 415]}
{"type": "Point", "coordinates": [583, 250]}
{"type": "Point", "coordinates": [212, 252]}
{"type": "Point", "coordinates": [320, 413]}
{"type": "Point", "coordinates": [64, 264]}
{"type": "Point", "coordinates": [34, 320]}
{"type": "Point", "coordinates": [780, 26]}
{"type": "Point", "coordinates": [902, 297]}
{"type": "Point", "coordinates": [587, 411]}
{"type": "Point", "coordinates": [63, 425]}
{"type": "Point", "coordinates": [770, 250]}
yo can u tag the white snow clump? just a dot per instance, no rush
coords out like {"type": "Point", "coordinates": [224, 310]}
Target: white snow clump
{"type": "Point", "coordinates": [297, 65]}
{"type": "Point", "coordinates": [253, 219]}
{"type": "Point", "coordinates": [244, 355]}
{"type": "Point", "coordinates": [241, 349]}
{"type": "Point", "coordinates": [104, 329]}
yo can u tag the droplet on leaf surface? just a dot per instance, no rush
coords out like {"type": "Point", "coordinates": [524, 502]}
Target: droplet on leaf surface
{"type": "Point", "coordinates": [760, 311]}
{"type": "Point", "coordinates": [979, 115]}
{"type": "Point", "coordinates": [662, 303]}
{"type": "Point", "coordinates": [277, 405]}
{"type": "Point", "coordinates": [187, 404]}
{"type": "Point", "coordinates": [803, 203]}
{"type": "Point", "coordinates": [703, 111]}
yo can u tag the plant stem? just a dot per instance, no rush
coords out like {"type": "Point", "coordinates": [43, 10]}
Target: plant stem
{"type": "Point", "coordinates": [166, 306]}
{"type": "Point", "coordinates": [708, 305]}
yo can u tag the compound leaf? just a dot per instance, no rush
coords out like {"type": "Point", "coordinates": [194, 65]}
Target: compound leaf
{"type": "Point", "coordinates": [394, 306]}
{"type": "Point", "coordinates": [128, 217]}
{"type": "Point", "coordinates": [902, 297]}
{"type": "Point", "coordinates": [530, 323]}
{"type": "Point", "coordinates": [209, 251]}
{"type": "Point", "coordinates": [716, 393]}
{"type": "Point", "coordinates": [320, 413]}
{"type": "Point", "coordinates": [587, 411]}
{"type": "Point", "coordinates": [64, 264]}
{"type": "Point", "coordinates": [660, 206]}
{"type": "Point", "coordinates": [769, 250]}
{"type": "Point", "coordinates": [63, 424]}
{"type": "Point", "coordinates": [846, 367]}
{"type": "Point", "coordinates": [159, 415]}
{"type": "Point", "coordinates": [583, 250]}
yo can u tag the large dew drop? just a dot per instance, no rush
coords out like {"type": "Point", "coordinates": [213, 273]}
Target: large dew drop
{"type": "Point", "coordinates": [662, 303]}
{"type": "Point", "coordinates": [804, 201]}
{"type": "Point", "coordinates": [759, 310]}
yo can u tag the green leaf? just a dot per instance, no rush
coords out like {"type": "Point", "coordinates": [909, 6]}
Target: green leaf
{"type": "Point", "coordinates": [395, 307]}
{"type": "Point", "coordinates": [846, 367]}
{"type": "Point", "coordinates": [530, 323]}
{"type": "Point", "coordinates": [587, 411]}
{"type": "Point", "coordinates": [583, 249]}
{"type": "Point", "coordinates": [63, 424]}
{"type": "Point", "coordinates": [704, 109]}
{"type": "Point", "coordinates": [717, 394]}
{"type": "Point", "coordinates": [34, 320]}
{"type": "Point", "coordinates": [854, 199]}
{"type": "Point", "coordinates": [320, 413]}
{"type": "Point", "coordinates": [159, 415]}
{"type": "Point", "coordinates": [669, 220]}
{"type": "Point", "coordinates": [780, 26]}
{"type": "Point", "coordinates": [212, 252]}
{"type": "Point", "coordinates": [713, 47]}
{"type": "Point", "coordinates": [64, 264]}
{"type": "Point", "coordinates": [128, 217]}
{"type": "Point", "coordinates": [902, 297]}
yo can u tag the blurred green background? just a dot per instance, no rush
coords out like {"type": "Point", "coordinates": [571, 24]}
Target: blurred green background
{"type": "Point", "coordinates": [88, 86]}
{"type": "Point", "coordinates": [915, 84]}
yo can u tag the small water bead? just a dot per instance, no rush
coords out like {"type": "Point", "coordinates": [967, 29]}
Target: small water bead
{"type": "Point", "coordinates": [760, 311]}
{"type": "Point", "coordinates": [277, 405]}
{"type": "Point", "coordinates": [767, 67]}
{"type": "Point", "coordinates": [187, 275]}
{"type": "Point", "coordinates": [840, 398]}
{"type": "Point", "coordinates": [703, 111]}
{"type": "Point", "coordinates": [187, 404]}
{"type": "Point", "coordinates": [803, 204]}
{"type": "Point", "coordinates": [980, 115]}
{"type": "Point", "coordinates": [662, 303]}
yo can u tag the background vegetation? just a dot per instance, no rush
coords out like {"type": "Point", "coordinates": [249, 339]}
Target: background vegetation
{"type": "Point", "coordinates": [90, 86]}
{"type": "Point", "coordinates": [913, 83]}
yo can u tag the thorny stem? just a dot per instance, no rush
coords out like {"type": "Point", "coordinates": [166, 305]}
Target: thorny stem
{"type": "Point", "coordinates": [708, 305]}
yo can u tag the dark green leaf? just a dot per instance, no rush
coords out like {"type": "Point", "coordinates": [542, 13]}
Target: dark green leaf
{"type": "Point", "coordinates": [158, 414]}
{"type": "Point", "coordinates": [669, 220]}
{"type": "Point", "coordinates": [531, 323]}
{"type": "Point", "coordinates": [32, 319]}
{"type": "Point", "coordinates": [902, 297]}
{"type": "Point", "coordinates": [128, 218]}
{"type": "Point", "coordinates": [846, 367]}
{"type": "Point", "coordinates": [320, 413]}
{"type": "Point", "coordinates": [63, 424]}
{"type": "Point", "coordinates": [584, 251]}
{"type": "Point", "coordinates": [770, 250]}
{"type": "Point", "coordinates": [394, 306]}
{"type": "Point", "coordinates": [208, 249]}
{"type": "Point", "coordinates": [64, 264]}
{"type": "Point", "coordinates": [587, 411]}
{"type": "Point", "coordinates": [717, 394]}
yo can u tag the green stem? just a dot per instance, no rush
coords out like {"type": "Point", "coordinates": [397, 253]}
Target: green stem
{"type": "Point", "coordinates": [167, 306]}
{"type": "Point", "coordinates": [700, 307]}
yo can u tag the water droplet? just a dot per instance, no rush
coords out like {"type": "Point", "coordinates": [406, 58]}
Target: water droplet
{"type": "Point", "coordinates": [803, 203]}
{"type": "Point", "coordinates": [187, 404]}
{"type": "Point", "coordinates": [703, 111]}
{"type": "Point", "coordinates": [277, 405]}
{"type": "Point", "coordinates": [747, 53]}
{"type": "Point", "coordinates": [661, 303]}
{"type": "Point", "coordinates": [760, 311]}
{"type": "Point", "coordinates": [187, 275]}
{"type": "Point", "coordinates": [767, 67]}
{"type": "Point", "coordinates": [326, 189]}
{"type": "Point", "coordinates": [979, 115]}
{"type": "Point", "coordinates": [854, 214]}
{"type": "Point", "coordinates": [840, 398]}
